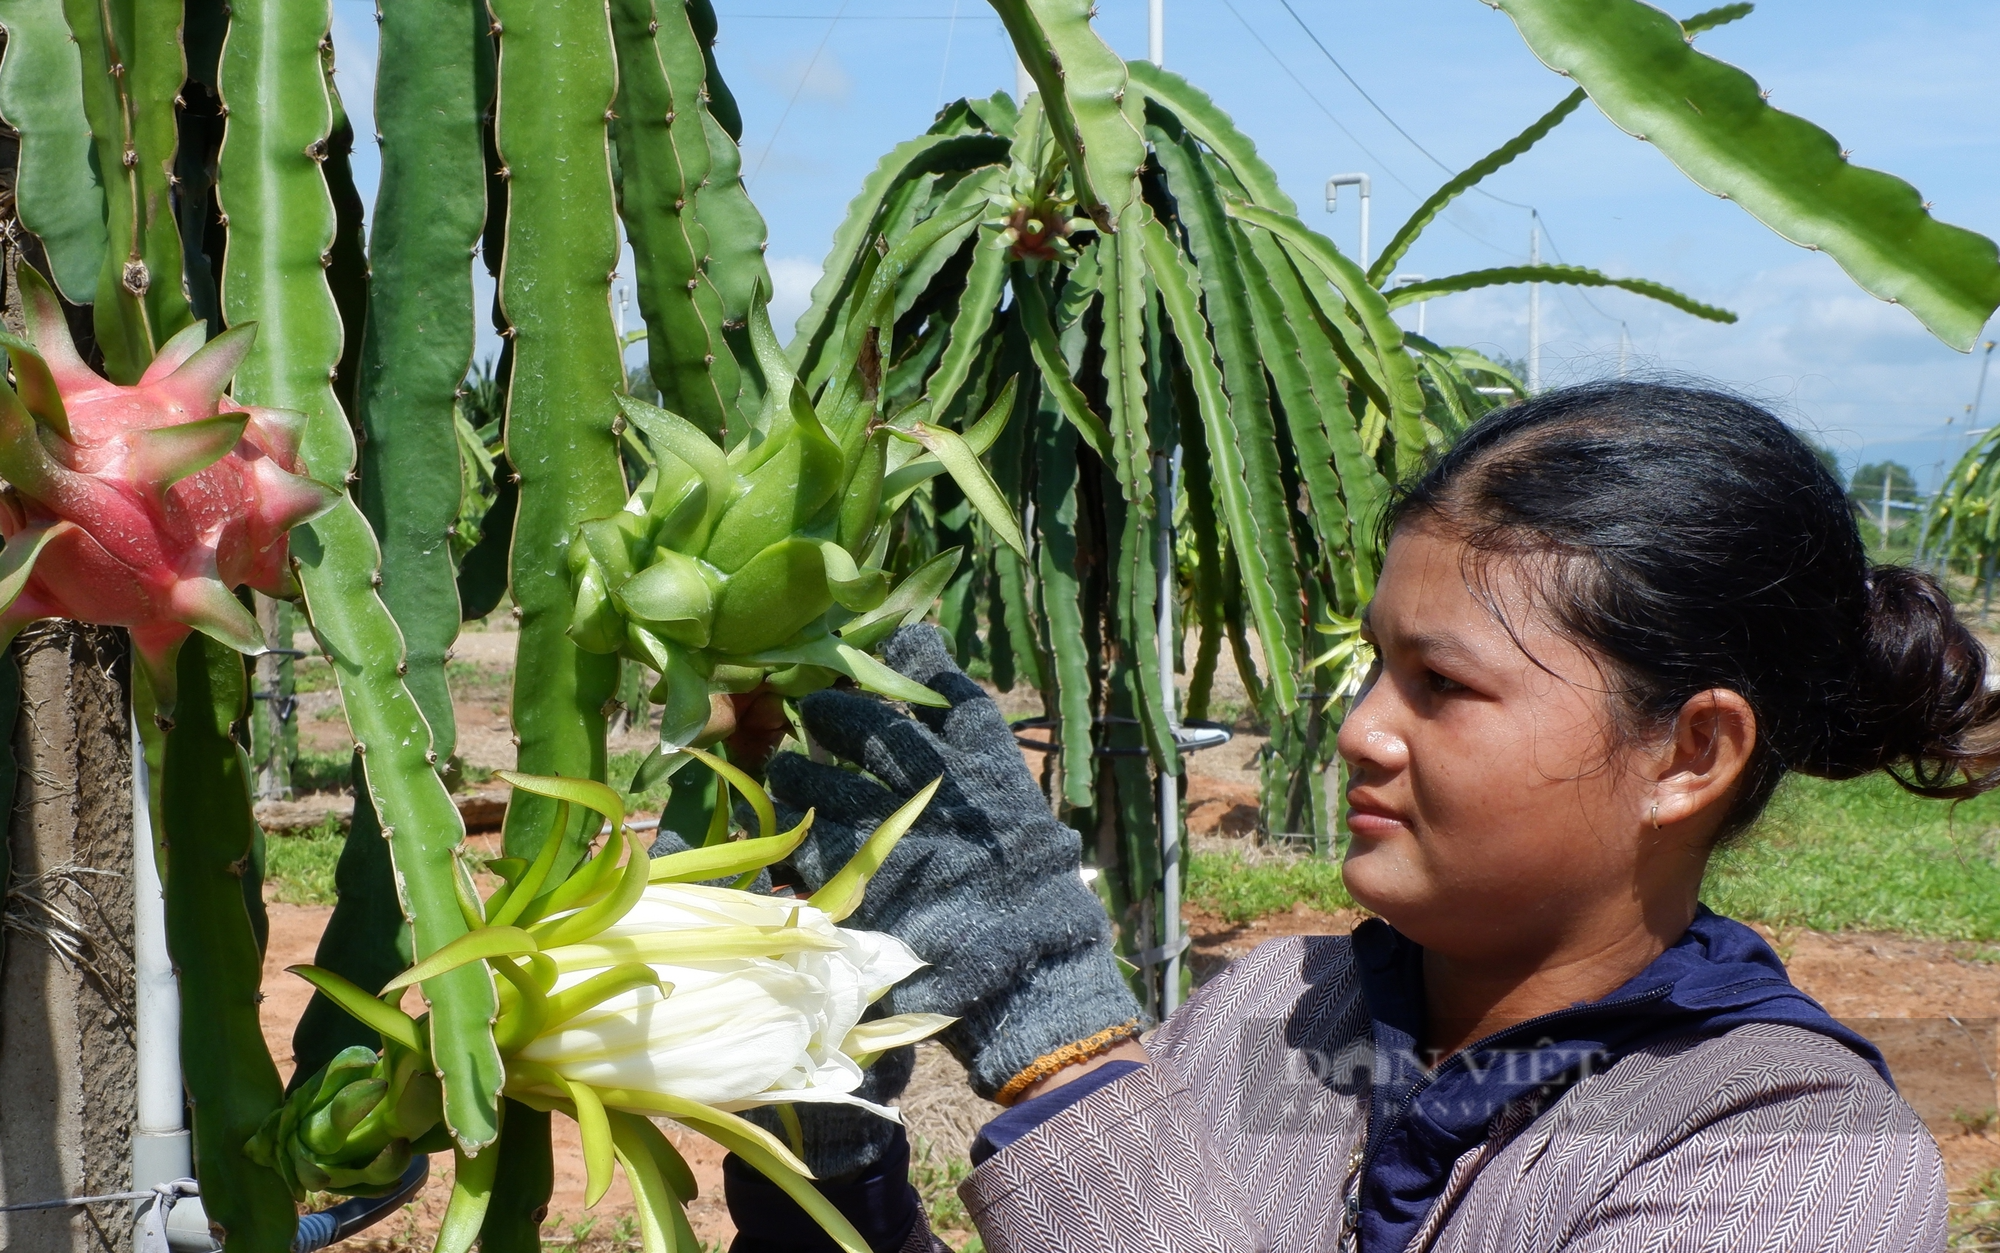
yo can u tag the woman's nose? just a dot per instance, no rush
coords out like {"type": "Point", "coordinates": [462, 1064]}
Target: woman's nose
{"type": "Point", "coordinates": [1368, 736]}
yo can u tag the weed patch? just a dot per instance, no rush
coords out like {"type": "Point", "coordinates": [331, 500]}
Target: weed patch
{"type": "Point", "coordinates": [299, 868]}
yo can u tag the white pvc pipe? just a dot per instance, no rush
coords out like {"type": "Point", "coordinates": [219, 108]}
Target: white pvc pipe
{"type": "Point", "coordinates": [162, 1149]}
{"type": "Point", "coordinates": [1365, 198]}
{"type": "Point", "coordinates": [1361, 181]}
{"type": "Point", "coordinates": [158, 992]}
{"type": "Point", "coordinates": [1156, 32]}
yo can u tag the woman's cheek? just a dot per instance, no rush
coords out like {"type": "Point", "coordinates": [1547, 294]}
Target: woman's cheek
{"type": "Point", "coordinates": [1482, 803]}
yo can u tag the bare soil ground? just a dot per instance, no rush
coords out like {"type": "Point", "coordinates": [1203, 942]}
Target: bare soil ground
{"type": "Point", "coordinates": [1932, 1007]}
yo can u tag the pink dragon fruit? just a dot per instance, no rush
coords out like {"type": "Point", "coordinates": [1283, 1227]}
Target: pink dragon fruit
{"type": "Point", "coordinates": [145, 506]}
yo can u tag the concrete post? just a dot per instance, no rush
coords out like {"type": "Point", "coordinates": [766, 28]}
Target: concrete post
{"type": "Point", "coordinates": [67, 1060]}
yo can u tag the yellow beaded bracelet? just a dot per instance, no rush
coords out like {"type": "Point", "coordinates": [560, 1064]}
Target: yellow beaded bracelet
{"type": "Point", "coordinates": [1068, 1055]}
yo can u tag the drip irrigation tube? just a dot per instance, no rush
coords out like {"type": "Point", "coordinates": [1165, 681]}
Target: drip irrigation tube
{"type": "Point", "coordinates": [328, 1226]}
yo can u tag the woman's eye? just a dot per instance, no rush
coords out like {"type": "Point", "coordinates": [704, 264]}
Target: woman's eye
{"type": "Point", "coordinates": [1440, 684]}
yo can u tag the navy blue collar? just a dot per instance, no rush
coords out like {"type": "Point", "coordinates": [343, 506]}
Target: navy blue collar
{"type": "Point", "coordinates": [1718, 976]}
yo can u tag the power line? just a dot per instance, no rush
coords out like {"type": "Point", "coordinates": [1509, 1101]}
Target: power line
{"type": "Point", "coordinates": [1582, 292]}
{"type": "Point", "coordinates": [1330, 115]}
{"type": "Point", "coordinates": [950, 33]}
{"type": "Point", "coordinates": [796, 91]}
{"type": "Point", "coordinates": [1342, 126]}
{"type": "Point", "coordinates": [1433, 158]}
{"type": "Point", "coordinates": [1335, 61]}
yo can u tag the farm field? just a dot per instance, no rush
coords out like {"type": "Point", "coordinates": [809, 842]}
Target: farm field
{"type": "Point", "coordinates": [1886, 908]}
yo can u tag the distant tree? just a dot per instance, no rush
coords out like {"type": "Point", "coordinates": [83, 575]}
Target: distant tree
{"type": "Point", "coordinates": [1866, 485]}
{"type": "Point", "coordinates": [639, 382]}
{"type": "Point", "coordinates": [1864, 490]}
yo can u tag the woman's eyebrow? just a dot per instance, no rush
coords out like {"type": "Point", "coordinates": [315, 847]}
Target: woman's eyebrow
{"type": "Point", "coordinates": [1440, 646]}
{"type": "Point", "coordinates": [1431, 643]}
{"type": "Point", "coordinates": [1445, 646]}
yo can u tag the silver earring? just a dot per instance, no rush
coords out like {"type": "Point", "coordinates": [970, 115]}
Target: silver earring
{"type": "Point", "coordinates": [1656, 817]}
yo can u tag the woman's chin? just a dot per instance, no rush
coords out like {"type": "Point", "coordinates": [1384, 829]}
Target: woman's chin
{"type": "Point", "coordinates": [1381, 880]}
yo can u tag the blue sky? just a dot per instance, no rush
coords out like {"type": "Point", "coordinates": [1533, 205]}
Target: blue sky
{"type": "Point", "coordinates": [827, 86]}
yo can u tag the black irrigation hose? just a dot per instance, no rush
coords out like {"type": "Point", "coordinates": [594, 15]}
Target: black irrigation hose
{"type": "Point", "coordinates": [318, 1230]}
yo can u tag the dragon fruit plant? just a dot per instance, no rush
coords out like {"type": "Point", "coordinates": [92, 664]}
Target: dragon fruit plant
{"type": "Point", "coordinates": [145, 506]}
{"type": "Point", "coordinates": [762, 566]}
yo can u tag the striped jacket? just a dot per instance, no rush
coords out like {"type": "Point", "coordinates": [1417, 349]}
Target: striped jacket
{"type": "Point", "coordinates": [1246, 1131]}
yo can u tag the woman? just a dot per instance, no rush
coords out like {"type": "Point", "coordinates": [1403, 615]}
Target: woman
{"type": "Point", "coordinates": [1609, 621]}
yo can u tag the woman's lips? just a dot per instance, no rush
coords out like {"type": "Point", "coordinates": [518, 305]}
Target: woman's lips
{"type": "Point", "coordinates": [1370, 819]}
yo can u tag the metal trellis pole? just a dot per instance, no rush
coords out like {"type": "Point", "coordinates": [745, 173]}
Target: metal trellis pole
{"type": "Point", "coordinates": [1164, 491]}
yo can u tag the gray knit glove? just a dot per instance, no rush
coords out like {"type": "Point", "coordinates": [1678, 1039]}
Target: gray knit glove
{"type": "Point", "coordinates": [984, 887]}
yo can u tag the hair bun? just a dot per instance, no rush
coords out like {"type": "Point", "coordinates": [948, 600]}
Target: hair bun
{"type": "Point", "coordinates": [1920, 708]}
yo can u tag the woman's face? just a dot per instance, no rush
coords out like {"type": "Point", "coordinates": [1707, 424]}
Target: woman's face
{"type": "Point", "coordinates": [1493, 811]}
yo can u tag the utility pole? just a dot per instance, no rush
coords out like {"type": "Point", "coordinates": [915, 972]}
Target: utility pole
{"type": "Point", "coordinates": [1979, 390]}
{"type": "Point", "coordinates": [1885, 506]}
{"type": "Point", "coordinates": [1534, 307]}
{"type": "Point", "coordinates": [1333, 186]}
{"type": "Point", "coordinates": [1624, 347]}
{"type": "Point", "coordinates": [1156, 31]}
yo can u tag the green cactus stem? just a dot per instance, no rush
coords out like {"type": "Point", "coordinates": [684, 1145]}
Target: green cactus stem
{"type": "Point", "coordinates": [561, 248]}
{"type": "Point", "coordinates": [57, 194]}
{"type": "Point", "coordinates": [281, 221]}
{"type": "Point", "coordinates": [132, 73]}
{"type": "Point", "coordinates": [214, 948]}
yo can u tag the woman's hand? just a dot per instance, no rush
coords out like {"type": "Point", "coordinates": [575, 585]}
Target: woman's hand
{"type": "Point", "coordinates": [751, 723]}
{"type": "Point", "coordinates": [984, 887]}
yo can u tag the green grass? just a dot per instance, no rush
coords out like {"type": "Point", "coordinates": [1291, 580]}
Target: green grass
{"type": "Point", "coordinates": [1865, 855]}
{"type": "Point", "coordinates": [299, 868]}
{"type": "Point", "coordinates": [312, 674]}
{"type": "Point", "coordinates": [1857, 856]}
{"type": "Point", "coordinates": [1239, 890]}
{"type": "Point", "coordinates": [1976, 1220]}
{"type": "Point", "coordinates": [936, 1178]}
{"type": "Point", "coordinates": [470, 677]}
{"type": "Point", "coordinates": [623, 766]}
{"type": "Point", "coordinates": [317, 771]}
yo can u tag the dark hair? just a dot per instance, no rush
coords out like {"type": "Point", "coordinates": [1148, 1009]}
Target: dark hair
{"type": "Point", "coordinates": [1699, 543]}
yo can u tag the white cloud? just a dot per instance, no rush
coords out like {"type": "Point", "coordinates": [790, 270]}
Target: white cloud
{"type": "Point", "coordinates": [1821, 352]}
{"type": "Point", "coordinates": [792, 280]}
{"type": "Point", "coordinates": [820, 77]}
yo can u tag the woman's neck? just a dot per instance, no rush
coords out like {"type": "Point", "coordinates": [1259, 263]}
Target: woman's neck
{"type": "Point", "coordinates": [1469, 998]}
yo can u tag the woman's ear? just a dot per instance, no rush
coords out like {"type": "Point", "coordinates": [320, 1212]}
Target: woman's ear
{"type": "Point", "coordinates": [1697, 770]}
